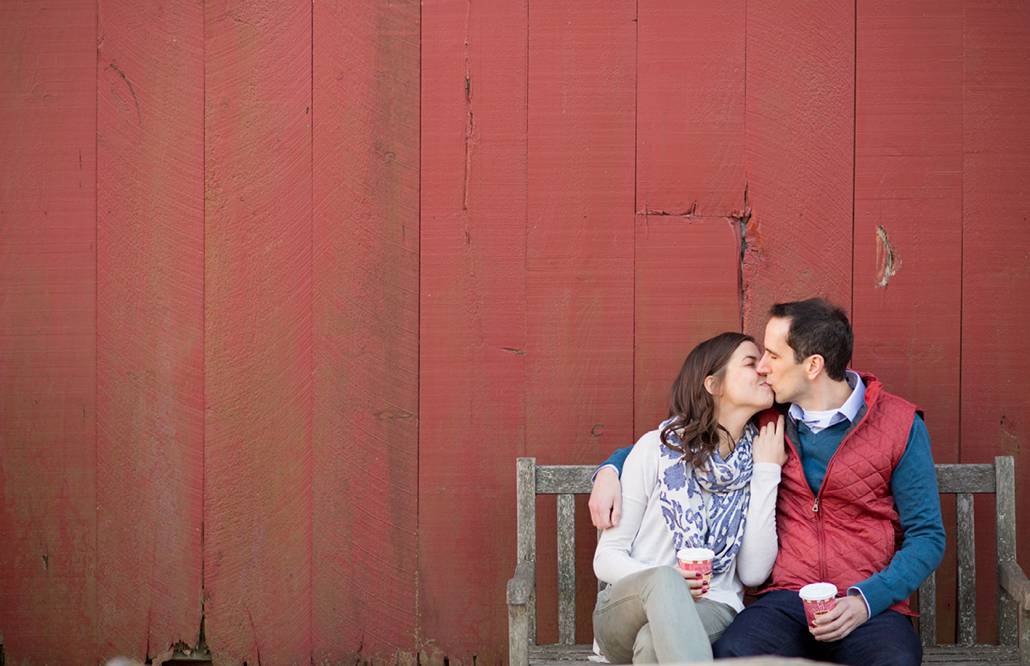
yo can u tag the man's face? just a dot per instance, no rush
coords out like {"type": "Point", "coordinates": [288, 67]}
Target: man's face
{"type": "Point", "coordinates": [784, 374]}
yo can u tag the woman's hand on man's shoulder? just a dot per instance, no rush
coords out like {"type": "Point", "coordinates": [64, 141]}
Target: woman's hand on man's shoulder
{"type": "Point", "coordinates": [768, 446]}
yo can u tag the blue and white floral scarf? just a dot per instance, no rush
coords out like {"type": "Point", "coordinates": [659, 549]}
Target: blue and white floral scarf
{"type": "Point", "coordinates": [706, 508]}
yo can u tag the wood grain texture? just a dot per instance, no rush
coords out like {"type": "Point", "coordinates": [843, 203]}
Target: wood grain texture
{"type": "Point", "coordinates": [686, 290]}
{"type": "Point", "coordinates": [150, 326]}
{"type": "Point", "coordinates": [689, 179]}
{"type": "Point", "coordinates": [798, 155]}
{"type": "Point", "coordinates": [579, 253]}
{"type": "Point", "coordinates": [258, 350]}
{"type": "Point", "coordinates": [48, 331]}
{"type": "Point", "coordinates": [966, 557]}
{"type": "Point", "coordinates": [365, 429]}
{"type": "Point", "coordinates": [995, 266]}
{"type": "Point", "coordinates": [928, 611]}
{"type": "Point", "coordinates": [908, 222]}
{"type": "Point", "coordinates": [566, 540]}
{"type": "Point", "coordinates": [472, 319]}
{"type": "Point", "coordinates": [690, 107]}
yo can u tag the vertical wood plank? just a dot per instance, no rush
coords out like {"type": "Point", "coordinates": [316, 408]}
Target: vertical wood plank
{"type": "Point", "coordinates": [798, 154]}
{"type": "Point", "coordinates": [150, 326]}
{"type": "Point", "coordinates": [1006, 530]}
{"type": "Point", "coordinates": [689, 179]}
{"type": "Point", "coordinates": [690, 108]}
{"type": "Point", "coordinates": [928, 611]}
{"type": "Point", "coordinates": [995, 311]}
{"type": "Point", "coordinates": [525, 518]}
{"type": "Point", "coordinates": [686, 289]}
{"type": "Point", "coordinates": [47, 330]}
{"type": "Point", "coordinates": [365, 152]}
{"type": "Point", "coordinates": [966, 571]}
{"type": "Point", "coordinates": [258, 333]}
{"type": "Point", "coordinates": [472, 319]}
{"type": "Point", "coordinates": [908, 221]}
{"type": "Point", "coordinates": [566, 518]}
{"type": "Point", "coordinates": [579, 250]}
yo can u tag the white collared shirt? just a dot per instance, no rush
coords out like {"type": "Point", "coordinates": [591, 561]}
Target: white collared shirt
{"type": "Point", "coordinates": [822, 419]}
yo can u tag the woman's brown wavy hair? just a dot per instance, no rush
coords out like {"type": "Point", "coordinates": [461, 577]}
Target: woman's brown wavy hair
{"type": "Point", "coordinates": [691, 406]}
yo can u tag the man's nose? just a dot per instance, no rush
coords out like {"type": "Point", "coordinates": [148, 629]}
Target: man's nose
{"type": "Point", "coordinates": [763, 366]}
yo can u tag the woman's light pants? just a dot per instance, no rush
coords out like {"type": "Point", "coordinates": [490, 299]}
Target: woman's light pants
{"type": "Point", "coordinates": [649, 617]}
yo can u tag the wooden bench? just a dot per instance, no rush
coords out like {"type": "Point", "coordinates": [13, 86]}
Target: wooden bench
{"type": "Point", "coordinates": [567, 481]}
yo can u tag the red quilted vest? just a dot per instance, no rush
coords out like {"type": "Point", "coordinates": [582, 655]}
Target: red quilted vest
{"type": "Point", "coordinates": [850, 530]}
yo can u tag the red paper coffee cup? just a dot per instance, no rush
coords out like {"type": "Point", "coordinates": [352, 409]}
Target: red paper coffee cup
{"type": "Point", "coordinates": [818, 598]}
{"type": "Point", "coordinates": [696, 560]}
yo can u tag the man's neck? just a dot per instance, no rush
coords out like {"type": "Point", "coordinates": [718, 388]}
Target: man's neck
{"type": "Point", "coordinates": [826, 394]}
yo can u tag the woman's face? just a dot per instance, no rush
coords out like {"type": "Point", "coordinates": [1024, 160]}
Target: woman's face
{"type": "Point", "coordinates": [741, 385]}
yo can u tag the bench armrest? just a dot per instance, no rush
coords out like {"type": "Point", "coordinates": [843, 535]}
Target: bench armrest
{"type": "Point", "coordinates": [520, 587]}
{"type": "Point", "coordinates": [1014, 582]}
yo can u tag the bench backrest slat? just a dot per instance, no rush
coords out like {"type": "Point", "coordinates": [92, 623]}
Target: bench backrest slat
{"type": "Point", "coordinates": [965, 478]}
{"type": "Point", "coordinates": [525, 514]}
{"type": "Point", "coordinates": [567, 569]}
{"type": "Point", "coordinates": [563, 479]}
{"type": "Point", "coordinates": [1004, 469]}
{"type": "Point", "coordinates": [928, 611]}
{"type": "Point", "coordinates": [966, 553]}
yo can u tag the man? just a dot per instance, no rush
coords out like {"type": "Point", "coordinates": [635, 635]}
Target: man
{"type": "Point", "coordinates": [858, 504]}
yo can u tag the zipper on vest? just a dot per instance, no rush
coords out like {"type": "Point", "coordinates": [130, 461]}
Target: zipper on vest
{"type": "Point", "coordinates": [815, 505]}
{"type": "Point", "coordinates": [821, 538]}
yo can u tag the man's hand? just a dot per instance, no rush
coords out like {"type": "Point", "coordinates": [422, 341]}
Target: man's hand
{"type": "Point", "coordinates": [695, 581]}
{"type": "Point", "coordinates": [849, 612]}
{"type": "Point", "coordinates": [606, 499]}
{"type": "Point", "coordinates": [768, 446]}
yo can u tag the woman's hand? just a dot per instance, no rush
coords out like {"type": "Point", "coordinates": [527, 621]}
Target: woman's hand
{"type": "Point", "coordinates": [768, 446]}
{"type": "Point", "coordinates": [696, 581]}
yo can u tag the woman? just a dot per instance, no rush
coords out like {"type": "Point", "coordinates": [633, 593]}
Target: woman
{"type": "Point", "coordinates": [706, 478]}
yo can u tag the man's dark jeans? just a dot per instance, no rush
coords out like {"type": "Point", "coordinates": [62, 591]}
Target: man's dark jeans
{"type": "Point", "coordinates": [775, 624]}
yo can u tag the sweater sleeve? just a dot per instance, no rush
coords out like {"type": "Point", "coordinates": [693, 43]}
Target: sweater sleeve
{"type": "Point", "coordinates": [914, 486]}
{"type": "Point", "coordinates": [759, 545]}
{"type": "Point", "coordinates": [612, 560]}
{"type": "Point", "coordinates": [616, 461]}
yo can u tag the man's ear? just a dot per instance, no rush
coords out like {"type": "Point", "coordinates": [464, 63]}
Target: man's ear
{"type": "Point", "coordinates": [814, 365]}
{"type": "Point", "coordinates": [712, 385]}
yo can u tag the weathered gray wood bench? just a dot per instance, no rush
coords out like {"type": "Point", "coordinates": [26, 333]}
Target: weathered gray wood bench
{"type": "Point", "coordinates": [566, 481]}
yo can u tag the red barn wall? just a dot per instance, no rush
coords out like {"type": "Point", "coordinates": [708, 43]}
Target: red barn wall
{"type": "Point", "coordinates": [286, 287]}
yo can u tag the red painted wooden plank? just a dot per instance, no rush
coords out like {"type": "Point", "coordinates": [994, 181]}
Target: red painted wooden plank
{"type": "Point", "coordinates": [579, 256]}
{"type": "Point", "coordinates": [365, 144]}
{"type": "Point", "coordinates": [47, 331]}
{"type": "Point", "coordinates": [473, 329]}
{"type": "Point", "coordinates": [996, 277]}
{"type": "Point", "coordinates": [258, 332]}
{"type": "Point", "coordinates": [908, 221]}
{"type": "Point", "coordinates": [690, 107]}
{"type": "Point", "coordinates": [150, 326]}
{"type": "Point", "coordinates": [687, 290]}
{"type": "Point", "coordinates": [798, 153]}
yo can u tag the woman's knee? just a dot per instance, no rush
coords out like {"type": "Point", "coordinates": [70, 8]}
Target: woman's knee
{"type": "Point", "coordinates": [664, 580]}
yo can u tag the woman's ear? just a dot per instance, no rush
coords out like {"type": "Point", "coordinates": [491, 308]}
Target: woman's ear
{"type": "Point", "coordinates": [712, 385]}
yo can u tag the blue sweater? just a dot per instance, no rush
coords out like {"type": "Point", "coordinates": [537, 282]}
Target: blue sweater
{"type": "Point", "coordinates": [914, 486]}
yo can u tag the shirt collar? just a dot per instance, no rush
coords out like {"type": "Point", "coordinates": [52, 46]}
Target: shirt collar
{"type": "Point", "coordinates": [849, 410]}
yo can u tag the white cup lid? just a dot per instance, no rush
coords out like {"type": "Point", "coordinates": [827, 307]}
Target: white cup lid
{"type": "Point", "coordinates": [694, 554]}
{"type": "Point", "coordinates": [818, 591]}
